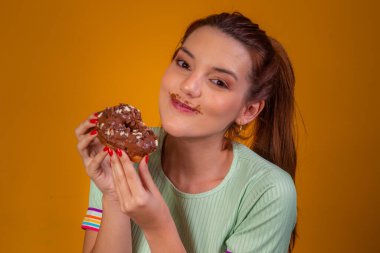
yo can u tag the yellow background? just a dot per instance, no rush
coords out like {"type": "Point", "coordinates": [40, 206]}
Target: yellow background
{"type": "Point", "coordinates": [62, 60]}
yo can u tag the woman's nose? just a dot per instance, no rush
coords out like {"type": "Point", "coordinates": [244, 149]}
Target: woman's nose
{"type": "Point", "coordinates": [191, 86]}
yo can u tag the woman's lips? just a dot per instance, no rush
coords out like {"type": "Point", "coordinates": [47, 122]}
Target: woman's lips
{"type": "Point", "coordinates": [183, 107]}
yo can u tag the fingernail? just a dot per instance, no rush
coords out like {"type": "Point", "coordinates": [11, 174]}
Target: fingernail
{"type": "Point", "coordinates": [110, 152]}
{"type": "Point", "coordinates": [105, 149]}
{"type": "Point", "coordinates": [147, 159]}
{"type": "Point", "coordinates": [119, 153]}
{"type": "Point", "coordinates": [93, 132]}
{"type": "Point", "coordinates": [93, 121]}
{"type": "Point", "coordinates": [96, 114]}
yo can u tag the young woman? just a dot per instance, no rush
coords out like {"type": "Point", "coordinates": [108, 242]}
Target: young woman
{"type": "Point", "coordinates": [201, 191]}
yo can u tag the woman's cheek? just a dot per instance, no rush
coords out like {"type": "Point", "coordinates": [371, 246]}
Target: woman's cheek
{"type": "Point", "coordinates": [222, 109]}
{"type": "Point", "coordinates": [164, 80]}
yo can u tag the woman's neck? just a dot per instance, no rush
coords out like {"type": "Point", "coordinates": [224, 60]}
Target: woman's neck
{"type": "Point", "coordinates": [196, 165]}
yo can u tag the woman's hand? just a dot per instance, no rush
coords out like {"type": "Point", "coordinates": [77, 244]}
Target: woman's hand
{"type": "Point", "coordinates": [138, 195]}
{"type": "Point", "coordinates": [93, 155]}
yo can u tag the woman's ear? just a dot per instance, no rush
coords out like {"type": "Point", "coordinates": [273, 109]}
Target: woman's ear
{"type": "Point", "coordinates": [249, 112]}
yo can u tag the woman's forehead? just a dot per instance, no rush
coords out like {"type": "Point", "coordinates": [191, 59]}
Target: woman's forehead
{"type": "Point", "coordinates": [211, 46]}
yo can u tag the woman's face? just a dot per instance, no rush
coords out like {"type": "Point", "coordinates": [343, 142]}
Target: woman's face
{"type": "Point", "coordinates": [203, 89]}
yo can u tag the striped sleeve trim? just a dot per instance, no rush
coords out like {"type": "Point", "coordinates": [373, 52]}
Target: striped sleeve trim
{"type": "Point", "coordinates": [92, 219]}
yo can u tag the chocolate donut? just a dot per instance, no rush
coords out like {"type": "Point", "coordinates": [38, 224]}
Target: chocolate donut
{"type": "Point", "coordinates": [121, 127]}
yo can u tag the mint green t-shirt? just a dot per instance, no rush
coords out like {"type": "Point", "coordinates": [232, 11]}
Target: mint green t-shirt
{"type": "Point", "coordinates": [253, 209]}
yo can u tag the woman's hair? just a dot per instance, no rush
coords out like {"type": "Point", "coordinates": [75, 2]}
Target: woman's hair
{"type": "Point", "coordinates": [271, 134]}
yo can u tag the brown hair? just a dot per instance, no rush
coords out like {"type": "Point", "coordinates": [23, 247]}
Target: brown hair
{"type": "Point", "coordinates": [272, 78]}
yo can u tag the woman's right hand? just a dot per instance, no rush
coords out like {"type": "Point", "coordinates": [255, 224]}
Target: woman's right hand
{"type": "Point", "coordinates": [94, 157]}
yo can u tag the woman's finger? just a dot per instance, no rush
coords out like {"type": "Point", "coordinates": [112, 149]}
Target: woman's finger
{"type": "Point", "coordinates": [94, 164]}
{"type": "Point", "coordinates": [83, 144]}
{"type": "Point", "coordinates": [85, 125]}
{"type": "Point", "coordinates": [145, 175]}
{"type": "Point", "coordinates": [97, 142]}
{"type": "Point", "coordinates": [130, 172]}
{"type": "Point", "coordinates": [120, 196]}
{"type": "Point", "coordinates": [119, 177]}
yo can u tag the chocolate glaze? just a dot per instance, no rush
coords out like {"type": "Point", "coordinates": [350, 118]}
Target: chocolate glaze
{"type": "Point", "coordinates": [122, 127]}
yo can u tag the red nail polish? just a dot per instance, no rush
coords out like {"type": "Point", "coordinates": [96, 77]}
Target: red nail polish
{"type": "Point", "coordinates": [105, 149]}
{"type": "Point", "coordinates": [110, 152]}
{"type": "Point", "coordinates": [93, 132]}
{"type": "Point", "coordinates": [147, 159]}
{"type": "Point", "coordinates": [119, 153]}
{"type": "Point", "coordinates": [93, 121]}
{"type": "Point", "coordinates": [96, 114]}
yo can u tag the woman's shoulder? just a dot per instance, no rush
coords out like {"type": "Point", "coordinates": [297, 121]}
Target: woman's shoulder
{"type": "Point", "coordinates": [257, 173]}
{"type": "Point", "coordinates": [264, 184]}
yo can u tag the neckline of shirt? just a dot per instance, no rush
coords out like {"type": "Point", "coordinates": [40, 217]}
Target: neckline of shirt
{"type": "Point", "coordinates": [221, 185]}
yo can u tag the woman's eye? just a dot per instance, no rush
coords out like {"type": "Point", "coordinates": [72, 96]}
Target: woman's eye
{"type": "Point", "coordinates": [182, 64]}
{"type": "Point", "coordinates": [219, 83]}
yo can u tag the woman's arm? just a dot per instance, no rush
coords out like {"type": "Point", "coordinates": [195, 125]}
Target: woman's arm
{"type": "Point", "coordinates": [165, 239]}
{"type": "Point", "coordinates": [140, 199]}
{"type": "Point", "coordinates": [114, 234]}
{"type": "Point", "coordinates": [89, 240]}
{"type": "Point", "coordinates": [115, 230]}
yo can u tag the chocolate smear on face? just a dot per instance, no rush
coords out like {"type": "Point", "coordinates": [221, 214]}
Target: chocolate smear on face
{"type": "Point", "coordinates": [175, 96]}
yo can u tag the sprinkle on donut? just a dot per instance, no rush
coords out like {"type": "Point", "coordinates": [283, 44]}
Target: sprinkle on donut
{"type": "Point", "coordinates": [122, 127]}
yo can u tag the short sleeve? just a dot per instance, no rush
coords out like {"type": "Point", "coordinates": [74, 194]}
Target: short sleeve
{"type": "Point", "coordinates": [93, 215]}
{"type": "Point", "coordinates": [267, 216]}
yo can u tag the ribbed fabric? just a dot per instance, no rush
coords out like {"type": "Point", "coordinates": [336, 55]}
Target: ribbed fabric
{"type": "Point", "coordinates": [252, 210]}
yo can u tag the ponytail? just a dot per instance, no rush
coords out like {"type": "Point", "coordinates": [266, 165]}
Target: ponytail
{"type": "Point", "coordinates": [274, 128]}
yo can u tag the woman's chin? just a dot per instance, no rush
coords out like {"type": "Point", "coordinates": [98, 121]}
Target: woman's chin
{"type": "Point", "coordinates": [174, 129]}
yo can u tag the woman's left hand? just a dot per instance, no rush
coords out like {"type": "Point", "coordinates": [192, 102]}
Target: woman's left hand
{"type": "Point", "coordinates": [138, 195]}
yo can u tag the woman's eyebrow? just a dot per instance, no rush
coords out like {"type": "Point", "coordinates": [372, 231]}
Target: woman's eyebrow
{"type": "Point", "coordinates": [185, 50]}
